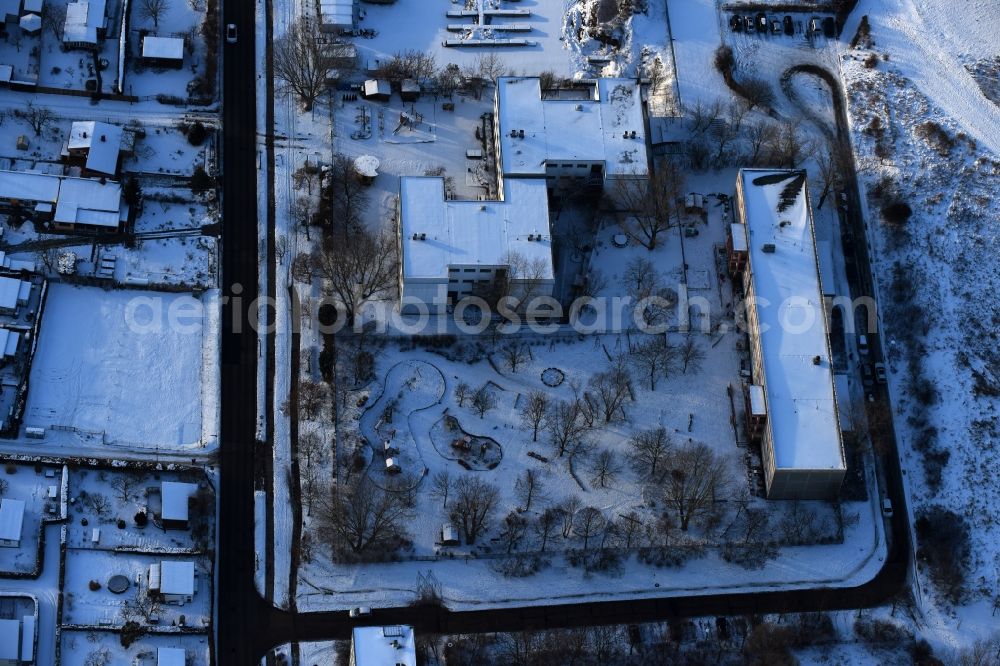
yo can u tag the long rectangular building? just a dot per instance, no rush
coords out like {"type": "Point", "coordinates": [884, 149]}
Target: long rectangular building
{"type": "Point", "coordinates": [799, 429]}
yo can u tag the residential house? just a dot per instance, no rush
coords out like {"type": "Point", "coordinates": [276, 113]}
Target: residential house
{"type": "Point", "coordinates": [174, 582]}
{"type": "Point", "coordinates": [163, 51]}
{"type": "Point", "coordinates": [176, 500]}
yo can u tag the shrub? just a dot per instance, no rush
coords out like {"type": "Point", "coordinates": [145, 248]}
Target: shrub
{"type": "Point", "coordinates": [200, 180]}
{"type": "Point", "coordinates": [876, 631]}
{"type": "Point", "coordinates": [943, 546]}
{"type": "Point", "coordinates": [94, 586]}
{"type": "Point", "coordinates": [197, 133]}
{"type": "Point", "coordinates": [897, 212]}
{"type": "Point", "coordinates": [141, 519]}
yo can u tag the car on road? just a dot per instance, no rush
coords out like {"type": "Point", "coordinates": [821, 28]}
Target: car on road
{"type": "Point", "coordinates": [231, 33]}
{"type": "Point", "coordinates": [866, 374]}
{"type": "Point", "coordinates": [360, 611]}
{"type": "Point", "coordinates": [880, 373]}
{"type": "Point", "coordinates": [887, 508]}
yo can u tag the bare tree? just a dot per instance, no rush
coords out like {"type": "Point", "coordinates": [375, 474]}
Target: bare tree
{"type": "Point", "coordinates": [760, 135]}
{"type": "Point", "coordinates": [588, 523]}
{"type": "Point", "coordinates": [640, 279]}
{"type": "Point", "coordinates": [786, 146]}
{"type": "Point", "coordinates": [3, 486]}
{"type": "Point", "coordinates": [100, 504]}
{"type": "Point", "coordinates": [512, 530]}
{"type": "Point", "coordinates": [142, 605]}
{"type": "Point", "coordinates": [568, 510]}
{"type": "Point", "coordinates": [757, 92]}
{"type": "Point", "coordinates": [473, 506]}
{"type": "Point", "coordinates": [483, 400]}
{"type": "Point", "coordinates": [651, 203]}
{"type": "Point", "coordinates": [565, 426]}
{"type": "Point", "coordinates": [545, 526]}
{"type": "Point", "coordinates": [412, 64]}
{"type": "Point", "coordinates": [654, 358]}
{"type": "Point", "coordinates": [310, 447]}
{"type": "Point", "coordinates": [612, 388]}
{"type": "Point", "coordinates": [696, 478]}
{"type": "Point", "coordinates": [54, 18]}
{"type": "Point", "coordinates": [343, 199]}
{"type": "Point", "coordinates": [153, 10]}
{"type": "Point", "coordinates": [533, 412]}
{"type": "Point", "coordinates": [448, 79]}
{"type": "Point", "coordinates": [124, 485]}
{"type": "Point", "coordinates": [441, 485]}
{"type": "Point", "coordinates": [604, 469]}
{"type": "Point", "coordinates": [363, 520]}
{"type": "Point", "coordinates": [650, 451]}
{"type": "Point", "coordinates": [312, 395]}
{"type": "Point", "coordinates": [514, 354]}
{"type": "Point", "coordinates": [489, 66]}
{"type": "Point", "coordinates": [38, 117]}
{"type": "Point", "coordinates": [358, 272]}
{"type": "Point", "coordinates": [691, 355]}
{"type": "Point", "coordinates": [631, 527]}
{"type": "Point", "coordinates": [463, 392]}
{"type": "Point", "coordinates": [529, 488]}
{"type": "Point", "coordinates": [299, 62]}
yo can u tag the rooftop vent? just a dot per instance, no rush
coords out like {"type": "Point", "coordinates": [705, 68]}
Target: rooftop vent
{"type": "Point", "coordinates": [579, 107]}
{"type": "Point", "coordinates": [816, 360]}
{"type": "Point", "coordinates": [768, 247]}
{"type": "Point", "coordinates": [419, 237]}
{"type": "Point", "coordinates": [520, 133]}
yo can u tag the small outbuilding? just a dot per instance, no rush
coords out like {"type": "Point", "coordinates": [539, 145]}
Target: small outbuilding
{"type": "Point", "coordinates": [173, 581]}
{"type": "Point", "coordinates": [176, 504]}
{"type": "Point", "coordinates": [163, 51]}
{"type": "Point", "coordinates": [11, 522]}
{"type": "Point", "coordinates": [449, 535]}
{"type": "Point", "coordinates": [377, 90]}
{"type": "Point", "coordinates": [366, 168]}
{"type": "Point", "coordinates": [409, 90]}
{"type": "Point", "coordinates": [31, 24]}
{"type": "Point", "coordinates": [392, 466]}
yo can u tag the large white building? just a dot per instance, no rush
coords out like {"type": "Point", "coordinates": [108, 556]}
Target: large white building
{"type": "Point", "coordinates": [450, 249]}
{"type": "Point", "coordinates": [792, 397]}
{"type": "Point", "coordinates": [598, 134]}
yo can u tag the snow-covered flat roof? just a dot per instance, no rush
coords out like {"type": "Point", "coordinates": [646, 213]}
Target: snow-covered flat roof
{"type": "Point", "coordinates": [102, 141]}
{"type": "Point", "coordinates": [28, 186]}
{"type": "Point", "coordinates": [91, 202]}
{"type": "Point", "coordinates": [166, 656]}
{"type": "Point", "coordinates": [10, 640]}
{"type": "Point", "coordinates": [384, 646]}
{"type": "Point", "coordinates": [471, 233]}
{"type": "Point", "coordinates": [164, 48]}
{"type": "Point", "coordinates": [562, 130]}
{"type": "Point", "coordinates": [8, 342]}
{"type": "Point", "coordinates": [83, 18]}
{"type": "Point", "coordinates": [177, 578]}
{"type": "Point", "coordinates": [802, 411]}
{"type": "Point", "coordinates": [739, 234]}
{"type": "Point", "coordinates": [28, 639]}
{"type": "Point", "coordinates": [337, 12]}
{"type": "Point", "coordinates": [175, 497]}
{"type": "Point", "coordinates": [11, 519]}
{"type": "Point", "coordinates": [11, 291]}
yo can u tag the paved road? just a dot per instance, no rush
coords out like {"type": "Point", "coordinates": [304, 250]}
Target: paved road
{"type": "Point", "coordinates": [247, 625]}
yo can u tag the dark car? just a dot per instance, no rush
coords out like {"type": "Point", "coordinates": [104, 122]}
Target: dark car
{"type": "Point", "coordinates": [789, 25]}
{"type": "Point", "coordinates": [762, 22]}
{"type": "Point", "coordinates": [748, 22]}
{"type": "Point", "coordinates": [736, 23]}
{"type": "Point", "coordinates": [829, 27]}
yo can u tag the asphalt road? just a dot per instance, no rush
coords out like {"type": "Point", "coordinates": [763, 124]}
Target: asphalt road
{"type": "Point", "coordinates": [247, 625]}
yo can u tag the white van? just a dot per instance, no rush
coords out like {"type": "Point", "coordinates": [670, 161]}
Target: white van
{"type": "Point", "coordinates": [863, 344]}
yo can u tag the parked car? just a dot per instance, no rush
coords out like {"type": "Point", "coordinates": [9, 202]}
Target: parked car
{"type": "Point", "coordinates": [231, 33]}
{"type": "Point", "coordinates": [736, 23]}
{"type": "Point", "coordinates": [880, 373]}
{"type": "Point", "coordinates": [789, 26]}
{"type": "Point", "coordinates": [762, 22]}
{"type": "Point", "coordinates": [866, 374]}
{"type": "Point", "coordinates": [360, 611]}
{"type": "Point", "coordinates": [863, 348]}
{"type": "Point", "coordinates": [887, 508]}
{"type": "Point", "coordinates": [748, 22]}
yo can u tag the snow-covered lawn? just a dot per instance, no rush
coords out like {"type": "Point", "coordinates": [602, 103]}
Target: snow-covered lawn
{"type": "Point", "coordinates": [118, 363]}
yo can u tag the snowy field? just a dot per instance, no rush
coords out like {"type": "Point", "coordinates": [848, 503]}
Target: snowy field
{"type": "Point", "coordinates": [144, 386]}
{"type": "Point", "coordinates": [927, 136]}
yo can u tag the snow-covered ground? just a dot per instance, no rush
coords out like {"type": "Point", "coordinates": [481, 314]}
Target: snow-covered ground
{"type": "Point", "coordinates": [125, 366]}
{"type": "Point", "coordinates": [85, 648]}
{"type": "Point", "coordinates": [926, 135]}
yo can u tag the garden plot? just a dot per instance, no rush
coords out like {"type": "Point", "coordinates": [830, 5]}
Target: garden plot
{"type": "Point", "coordinates": [86, 648]}
{"type": "Point", "coordinates": [30, 485]}
{"type": "Point", "coordinates": [125, 506]}
{"type": "Point", "coordinates": [21, 51]}
{"type": "Point", "coordinates": [84, 605]}
{"type": "Point", "coordinates": [179, 19]}
{"type": "Point", "coordinates": [165, 150]}
{"type": "Point", "coordinates": [70, 70]}
{"type": "Point", "coordinates": [94, 374]}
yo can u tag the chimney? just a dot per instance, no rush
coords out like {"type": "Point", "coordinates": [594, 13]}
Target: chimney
{"type": "Point", "coordinates": [521, 134]}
